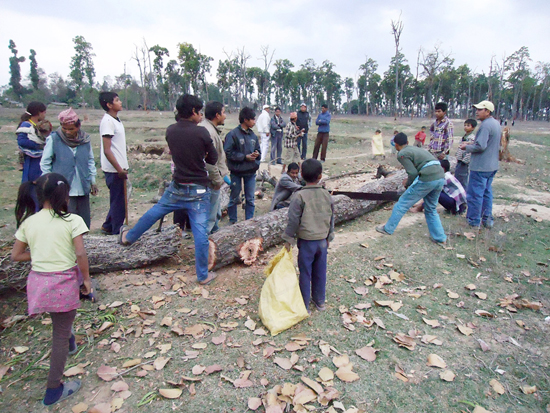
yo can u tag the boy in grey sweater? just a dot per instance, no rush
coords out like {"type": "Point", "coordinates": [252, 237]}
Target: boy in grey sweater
{"type": "Point", "coordinates": [311, 220]}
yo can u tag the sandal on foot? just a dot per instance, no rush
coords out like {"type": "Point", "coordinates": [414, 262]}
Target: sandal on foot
{"type": "Point", "coordinates": [123, 230]}
{"type": "Point", "coordinates": [382, 229]}
{"type": "Point", "coordinates": [69, 388]}
{"type": "Point", "coordinates": [211, 277]}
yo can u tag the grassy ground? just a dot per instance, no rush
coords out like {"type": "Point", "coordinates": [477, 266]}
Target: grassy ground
{"type": "Point", "coordinates": [510, 259]}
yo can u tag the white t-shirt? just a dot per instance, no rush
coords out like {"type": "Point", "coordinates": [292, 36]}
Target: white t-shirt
{"type": "Point", "coordinates": [115, 128]}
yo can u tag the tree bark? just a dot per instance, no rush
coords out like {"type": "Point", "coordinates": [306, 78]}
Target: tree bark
{"type": "Point", "coordinates": [243, 241]}
{"type": "Point", "coordinates": [105, 254]}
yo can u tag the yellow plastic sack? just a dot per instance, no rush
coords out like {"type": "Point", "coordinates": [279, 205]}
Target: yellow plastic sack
{"type": "Point", "coordinates": [281, 302]}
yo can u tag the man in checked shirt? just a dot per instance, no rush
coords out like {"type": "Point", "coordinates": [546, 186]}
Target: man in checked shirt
{"type": "Point", "coordinates": [441, 133]}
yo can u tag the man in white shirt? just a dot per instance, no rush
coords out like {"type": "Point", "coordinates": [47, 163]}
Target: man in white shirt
{"type": "Point", "coordinates": [263, 124]}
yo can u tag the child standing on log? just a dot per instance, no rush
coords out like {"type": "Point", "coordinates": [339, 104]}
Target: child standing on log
{"type": "Point", "coordinates": [311, 220]}
{"type": "Point", "coordinates": [54, 238]}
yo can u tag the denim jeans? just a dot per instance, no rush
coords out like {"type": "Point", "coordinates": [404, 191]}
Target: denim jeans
{"type": "Point", "coordinates": [429, 191]}
{"type": "Point", "coordinates": [312, 263]}
{"type": "Point", "coordinates": [236, 187]}
{"type": "Point", "coordinates": [195, 199]}
{"type": "Point", "coordinates": [215, 211]}
{"type": "Point", "coordinates": [302, 143]}
{"type": "Point", "coordinates": [480, 198]}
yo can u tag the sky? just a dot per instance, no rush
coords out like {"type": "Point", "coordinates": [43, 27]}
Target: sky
{"type": "Point", "coordinates": [344, 31]}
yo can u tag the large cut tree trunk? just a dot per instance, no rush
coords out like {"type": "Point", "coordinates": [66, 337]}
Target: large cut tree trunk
{"type": "Point", "coordinates": [243, 241]}
{"type": "Point", "coordinates": [106, 254]}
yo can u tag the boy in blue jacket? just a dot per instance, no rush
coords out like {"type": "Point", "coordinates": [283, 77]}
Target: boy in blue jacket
{"type": "Point", "coordinates": [242, 148]}
{"type": "Point", "coordinates": [323, 121]}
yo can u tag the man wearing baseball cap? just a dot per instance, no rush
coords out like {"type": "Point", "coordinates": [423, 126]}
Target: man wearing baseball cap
{"type": "Point", "coordinates": [263, 124]}
{"type": "Point", "coordinates": [483, 166]}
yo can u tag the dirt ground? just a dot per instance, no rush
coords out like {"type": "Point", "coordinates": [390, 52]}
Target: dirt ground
{"type": "Point", "coordinates": [378, 288]}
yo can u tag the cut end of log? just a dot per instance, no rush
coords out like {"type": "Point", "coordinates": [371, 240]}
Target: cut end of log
{"type": "Point", "coordinates": [211, 254]}
{"type": "Point", "coordinates": [250, 249]}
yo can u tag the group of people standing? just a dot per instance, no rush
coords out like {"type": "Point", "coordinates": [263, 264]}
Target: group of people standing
{"type": "Point", "coordinates": [429, 177]}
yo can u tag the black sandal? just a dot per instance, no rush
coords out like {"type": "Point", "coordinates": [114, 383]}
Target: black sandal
{"type": "Point", "coordinates": [123, 230]}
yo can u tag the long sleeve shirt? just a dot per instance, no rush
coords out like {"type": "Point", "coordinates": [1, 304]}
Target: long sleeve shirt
{"type": "Point", "coordinates": [485, 148]}
{"type": "Point", "coordinates": [263, 122]}
{"type": "Point", "coordinates": [323, 121]}
{"type": "Point", "coordinates": [413, 160]}
{"type": "Point", "coordinates": [291, 135]}
{"type": "Point", "coordinates": [441, 136]}
{"type": "Point", "coordinates": [462, 155]}
{"type": "Point", "coordinates": [217, 171]}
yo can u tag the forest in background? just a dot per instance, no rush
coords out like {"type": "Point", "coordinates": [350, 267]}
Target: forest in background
{"type": "Point", "coordinates": [518, 87]}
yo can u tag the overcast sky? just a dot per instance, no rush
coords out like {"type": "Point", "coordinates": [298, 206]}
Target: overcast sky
{"type": "Point", "coordinates": [343, 31]}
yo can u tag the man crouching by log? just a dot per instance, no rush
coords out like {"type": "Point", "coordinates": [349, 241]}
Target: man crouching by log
{"type": "Point", "coordinates": [425, 181]}
{"type": "Point", "coordinates": [190, 146]}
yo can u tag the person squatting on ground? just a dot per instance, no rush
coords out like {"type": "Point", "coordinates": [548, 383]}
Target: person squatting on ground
{"type": "Point", "coordinates": [54, 238]}
{"type": "Point", "coordinates": [303, 121]}
{"type": "Point", "coordinates": [323, 121]}
{"type": "Point", "coordinates": [425, 180]}
{"type": "Point", "coordinates": [420, 137]}
{"type": "Point", "coordinates": [263, 124]}
{"type": "Point", "coordinates": [114, 161]}
{"type": "Point", "coordinates": [277, 126]}
{"type": "Point", "coordinates": [378, 145]}
{"type": "Point", "coordinates": [191, 146]}
{"type": "Point", "coordinates": [287, 185]}
{"type": "Point", "coordinates": [441, 132]}
{"type": "Point", "coordinates": [243, 159]}
{"type": "Point", "coordinates": [453, 195]}
{"type": "Point", "coordinates": [483, 166]}
{"type": "Point", "coordinates": [462, 170]}
{"type": "Point", "coordinates": [30, 141]}
{"type": "Point", "coordinates": [218, 173]}
{"type": "Point", "coordinates": [292, 137]}
{"type": "Point", "coordinates": [68, 152]}
{"type": "Point", "coordinates": [311, 221]}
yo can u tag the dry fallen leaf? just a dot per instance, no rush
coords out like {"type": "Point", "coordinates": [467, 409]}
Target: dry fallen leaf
{"type": "Point", "coordinates": [435, 361]}
{"type": "Point", "coordinates": [528, 389]}
{"type": "Point", "coordinates": [405, 341]}
{"type": "Point", "coordinates": [497, 387]}
{"type": "Point", "coordinates": [250, 324]}
{"type": "Point", "coordinates": [219, 340]}
{"type": "Point", "coordinates": [116, 403]}
{"type": "Point", "coordinates": [21, 349]}
{"type": "Point", "coordinates": [432, 323]}
{"type": "Point", "coordinates": [213, 369]}
{"type": "Point", "coordinates": [101, 408]}
{"type": "Point", "coordinates": [313, 384]}
{"type": "Point", "coordinates": [160, 362]}
{"type": "Point", "coordinates": [326, 374]}
{"type": "Point", "coordinates": [131, 363]}
{"type": "Point", "coordinates": [166, 321]}
{"type": "Point", "coordinates": [367, 353]}
{"type": "Point", "coordinates": [254, 403]}
{"type": "Point", "coordinates": [119, 386]}
{"type": "Point", "coordinates": [471, 287]}
{"type": "Point", "coordinates": [481, 296]}
{"type": "Point", "coordinates": [170, 393]}
{"type": "Point", "coordinates": [106, 373]}
{"type": "Point", "coordinates": [73, 371]}
{"type": "Point", "coordinates": [483, 313]}
{"type": "Point", "coordinates": [447, 375]}
{"type": "Point", "coordinates": [303, 395]}
{"type": "Point", "coordinates": [198, 369]}
{"type": "Point", "coordinates": [116, 304]}
{"type": "Point", "coordinates": [199, 346]}
{"type": "Point", "coordinates": [452, 294]}
{"type": "Point", "coordinates": [345, 374]}
{"type": "Point", "coordinates": [464, 330]}
{"type": "Point", "coordinates": [80, 408]}
{"type": "Point", "coordinates": [479, 409]}
{"type": "Point", "coordinates": [341, 361]}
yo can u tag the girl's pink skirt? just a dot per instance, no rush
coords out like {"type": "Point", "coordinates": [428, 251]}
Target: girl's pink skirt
{"type": "Point", "coordinates": [55, 292]}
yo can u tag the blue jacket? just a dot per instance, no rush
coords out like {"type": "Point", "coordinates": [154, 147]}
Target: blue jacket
{"type": "Point", "coordinates": [238, 144]}
{"type": "Point", "coordinates": [323, 121]}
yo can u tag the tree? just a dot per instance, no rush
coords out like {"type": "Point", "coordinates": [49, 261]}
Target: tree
{"type": "Point", "coordinates": [349, 87]}
{"type": "Point", "coordinates": [519, 70]}
{"type": "Point", "coordinates": [282, 79]}
{"type": "Point", "coordinates": [158, 68]}
{"type": "Point", "coordinates": [15, 71]}
{"type": "Point", "coordinates": [195, 66]}
{"type": "Point", "coordinates": [34, 76]}
{"type": "Point", "coordinates": [396, 29]}
{"type": "Point", "coordinates": [331, 83]}
{"type": "Point", "coordinates": [432, 63]}
{"type": "Point", "coordinates": [369, 70]}
{"type": "Point", "coordinates": [82, 65]}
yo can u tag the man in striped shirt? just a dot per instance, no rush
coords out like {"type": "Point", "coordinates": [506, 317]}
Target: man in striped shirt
{"type": "Point", "coordinates": [441, 132]}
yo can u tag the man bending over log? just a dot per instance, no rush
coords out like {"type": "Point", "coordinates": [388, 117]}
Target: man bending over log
{"type": "Point", "coordinates": [190, 145]}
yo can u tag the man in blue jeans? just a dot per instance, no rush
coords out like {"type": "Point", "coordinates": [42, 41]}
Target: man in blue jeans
{"type": "Point", "coordinates": [191, 146]}
{"type": "Point", "coordinates": [425, 180]}
{"type": "Point", "coordinates": [242, 149]}
{"type": "Point", "coordinates": [483, 166]}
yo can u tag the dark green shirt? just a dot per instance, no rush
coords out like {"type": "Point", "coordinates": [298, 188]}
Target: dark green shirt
{"type": "Point", "coordinates": [413, 159]}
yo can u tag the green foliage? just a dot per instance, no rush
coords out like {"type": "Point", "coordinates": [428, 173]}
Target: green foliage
{"type": "Point", "coordinates": [35, 78]}
{"type": "Point", "coordinates": [15, 71]}
{"type": "Point", "coordinates": [82, 65]}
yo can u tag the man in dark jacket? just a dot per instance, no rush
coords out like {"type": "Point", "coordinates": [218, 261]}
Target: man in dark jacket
{"type": "Point", "coordinates": [242, 148]}
{"type": "Point", "coordinates": [277, 126]}
{"type": "Point", "coordinates": [304, 119]}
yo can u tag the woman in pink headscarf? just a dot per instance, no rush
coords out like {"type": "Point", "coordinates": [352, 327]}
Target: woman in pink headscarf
{"type": "Point", "coordinates": [68, 152]}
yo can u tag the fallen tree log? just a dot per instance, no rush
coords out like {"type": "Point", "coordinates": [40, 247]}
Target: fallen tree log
{"type": "Point", "coordinates": [105, 254]}
{"type": "Point", "coordinates": [243, 241]}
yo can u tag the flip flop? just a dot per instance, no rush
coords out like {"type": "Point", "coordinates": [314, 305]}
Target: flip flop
{"type": "Point", "coordinates": [123, 230]}
{"type": "Point", "coordinates": [69, 388]}
{"type": "Point", "coordinates": [211, 277]}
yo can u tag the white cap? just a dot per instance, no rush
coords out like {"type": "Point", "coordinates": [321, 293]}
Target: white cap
{"type": "Point", "coordinates": [485, 104]}
{"type": "Point", "coordinates": [266, 107]}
